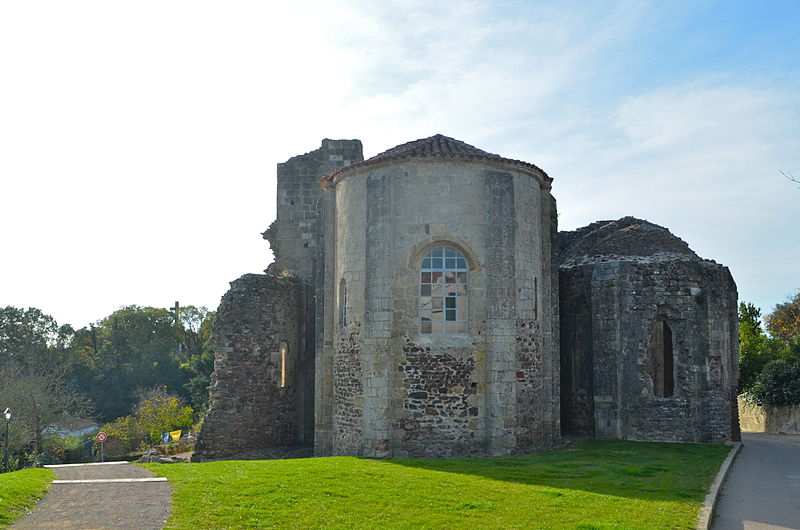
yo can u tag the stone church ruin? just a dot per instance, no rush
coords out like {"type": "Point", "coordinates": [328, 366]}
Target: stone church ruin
{"type": "Point", "coordinates": [422, 303]}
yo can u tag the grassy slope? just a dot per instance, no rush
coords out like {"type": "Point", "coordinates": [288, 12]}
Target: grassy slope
{"type": "Point", "coordinates": [600, 484]}
{"type": "Point", "coordinates": [20, 490]}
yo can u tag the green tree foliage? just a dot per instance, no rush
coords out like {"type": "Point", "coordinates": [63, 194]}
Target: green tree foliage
{"type": "Point", "coordinates": [157, 412]}
{"type": "Point", "coordinates": [198, 353]}
{"type": "Point", "coordinates": [778, 383]}
{"type": "Point", "coordinates": [143, 347]}
{"type": "Point", "coordinates": [32, 339]}
{"type": "Point", "coordinates": [134, 347]}
{"type": "Point", "coordinates": [784, 321]}
{"type": "Point", "coordinates": [755, 349]}
{"type": "Point", "coordinates": [769, 367]}
{"type": "Point", "coordinates": [35, 380]}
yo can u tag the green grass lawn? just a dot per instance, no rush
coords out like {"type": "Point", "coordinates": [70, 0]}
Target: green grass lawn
{"type": "Point", "coordinates": [598, 484]}
{"type": "Point", "coordinates": [20, 490]}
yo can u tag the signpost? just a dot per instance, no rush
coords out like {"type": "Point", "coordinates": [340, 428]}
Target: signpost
{"type": "Point", "coordinates": [101, 437]}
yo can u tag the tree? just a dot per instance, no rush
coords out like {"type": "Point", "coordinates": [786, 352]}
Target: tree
{"type": "Point", "coordinates": [35, 383]}
{"type": "Point", "coordinates": [778, 384]}
{"type": "Point", "coordinates": [40, 400]}
{"type": "Point", "coordinates": [32, 339]}
{"type": "Point", "coordinates": [198, 353]}
{"type": "Point", "coordinates": [784, 321]}
{"type": "Point", "coordinates": [134, 347]}
{"type": "Point", "coordinates": [755, 350]}
{"type": "Point", "coordinates": [156, 412]}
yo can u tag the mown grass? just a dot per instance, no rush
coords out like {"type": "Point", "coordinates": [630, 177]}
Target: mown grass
{"type": "Point", "coordinates": [598, 484]}
{"type": "Point", "coordinates": [20, 490]}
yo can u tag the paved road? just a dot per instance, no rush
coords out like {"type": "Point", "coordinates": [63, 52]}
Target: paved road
{"type": "Point", "coordinates": [762, 491]}
{"type": "Point", "coordinates": [110, 495]}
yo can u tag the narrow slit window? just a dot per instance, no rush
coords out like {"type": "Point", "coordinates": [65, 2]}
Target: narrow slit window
{"type": "Point", "coordinates": [669, 360]}
{"type": "Point", "coordinates": [443, 292]}
{"type": "Point", "coordinates": [283, 365]}
{"type": "Point", "coordinates": [343, 303]}
{"type": "Point", "coordinates": [664, 362]}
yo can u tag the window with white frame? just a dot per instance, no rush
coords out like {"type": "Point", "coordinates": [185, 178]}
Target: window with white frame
{"type": "Point", "coordinates": [443, 292]}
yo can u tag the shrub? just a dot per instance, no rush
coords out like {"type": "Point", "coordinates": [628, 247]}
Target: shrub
{"type": "Point", "coordinates": [778, 384]}
{"type": "Point", "coordinates": [155, 415]}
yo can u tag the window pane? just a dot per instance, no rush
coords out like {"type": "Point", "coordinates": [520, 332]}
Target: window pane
{"type": "Point", "coordinates": [443, 291]}
{"type": "Point", "coordinates": [457, 289]}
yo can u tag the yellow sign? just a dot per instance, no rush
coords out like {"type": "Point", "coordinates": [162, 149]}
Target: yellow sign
{"type": "Point", "coordinates": [175, 436]}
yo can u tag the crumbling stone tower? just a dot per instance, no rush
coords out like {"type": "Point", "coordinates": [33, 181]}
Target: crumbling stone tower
{"type": "Point", "coordinates": [262, 390]}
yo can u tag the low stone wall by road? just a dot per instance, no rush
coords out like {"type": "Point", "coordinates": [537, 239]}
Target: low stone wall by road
{"type": "Point", "coordinates": [782, 420]}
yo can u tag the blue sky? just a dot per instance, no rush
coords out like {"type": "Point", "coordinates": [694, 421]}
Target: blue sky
{"type": "Point", "coordinates": [138, 141]}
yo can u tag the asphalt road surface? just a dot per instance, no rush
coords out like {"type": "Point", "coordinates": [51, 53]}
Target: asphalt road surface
{"type": "Point", "coordinates": [762, 490]}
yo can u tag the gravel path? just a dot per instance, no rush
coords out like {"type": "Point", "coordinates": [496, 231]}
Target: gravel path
{"type": "Point", "coordinates": [119, 504]}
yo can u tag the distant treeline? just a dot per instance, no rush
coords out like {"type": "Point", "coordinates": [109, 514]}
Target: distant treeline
{"type": "Point", "coordinates": [52, 376]}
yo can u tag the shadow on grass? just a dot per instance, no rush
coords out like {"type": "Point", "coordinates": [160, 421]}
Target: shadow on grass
{"type": "Point", "coordinates": [642, 470]}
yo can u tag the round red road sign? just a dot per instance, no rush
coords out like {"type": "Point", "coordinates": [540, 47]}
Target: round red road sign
{"type": "Point", "coordinates": [101, 436]}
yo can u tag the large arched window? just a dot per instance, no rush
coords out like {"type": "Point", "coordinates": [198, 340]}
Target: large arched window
{"type": "Point", "coordinates": [443, 292]}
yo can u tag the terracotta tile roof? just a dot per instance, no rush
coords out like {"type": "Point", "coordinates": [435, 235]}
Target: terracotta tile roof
{"type": "Point", "coordinates": [438, 146]}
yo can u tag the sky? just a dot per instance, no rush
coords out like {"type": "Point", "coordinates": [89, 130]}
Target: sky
{"type": "Point", "coordinates": [139, 140]}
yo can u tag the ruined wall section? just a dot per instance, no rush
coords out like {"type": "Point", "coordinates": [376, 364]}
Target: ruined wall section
{"type": "Point", "coordinates": [617, 308]}
{"type": "Point", "coordinates": [293, 235]}
{"type": "Point", "coordinates": [255, 389]}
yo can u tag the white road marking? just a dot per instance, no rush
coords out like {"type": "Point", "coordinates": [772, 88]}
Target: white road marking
{"type": "Point", "coordinates": [89, 464]}
{"type": "Point", "coordinates": [108, 480]}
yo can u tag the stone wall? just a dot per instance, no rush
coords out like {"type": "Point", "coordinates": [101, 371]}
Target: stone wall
{"type": "Point", "coordinates": [393, 391]}
{"type": "Point", "coordinates": [649, 342]}
{"type": "Point", "coordinates": [293, 235]}
{"type": "Point", "coordinates": [780, 420]}
{"type": "Point", "coordinates": [247, 410]}
{"type": "Point", "coordinates": [255, 397]}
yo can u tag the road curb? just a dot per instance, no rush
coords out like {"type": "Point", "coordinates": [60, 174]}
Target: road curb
{"type": "Point", "coordinates": [707, 511]}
